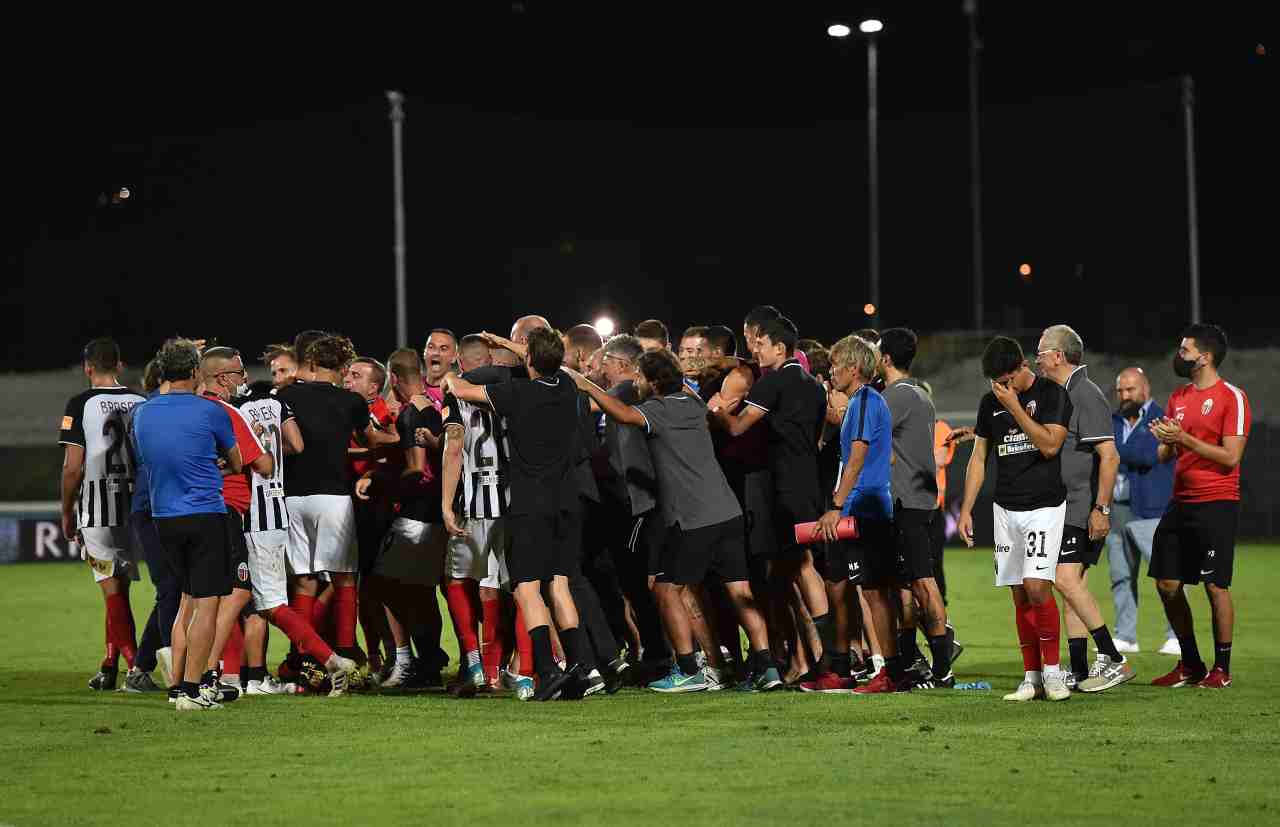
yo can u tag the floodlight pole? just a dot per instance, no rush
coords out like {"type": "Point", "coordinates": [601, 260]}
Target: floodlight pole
{"type": "Point", "coordinates": [975, 165]}
{"type": "Point", "coordinates": [873, 175]}
{"type": "Point", "coordinates": [1193, 216]}
{"type": "Point", "coordinates": [396, 99]}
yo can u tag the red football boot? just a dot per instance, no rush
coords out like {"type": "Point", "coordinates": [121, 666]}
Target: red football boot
{"type": "Point", "coordinates": [1217, 678]}
{"type": "Point", "coordinates": [830, 683]}
{"type": "Point", "coordinates": [1182, 675]}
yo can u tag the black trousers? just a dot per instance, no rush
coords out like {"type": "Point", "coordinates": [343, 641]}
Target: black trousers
{"type": "Point", "coordinates": [159, 628]}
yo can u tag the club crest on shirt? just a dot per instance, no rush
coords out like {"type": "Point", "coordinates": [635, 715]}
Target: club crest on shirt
{"type": "Point", "coordinates": [1031, 408]}
{"type": "Point", "coordinates": [1206, 407]}
{"type": "Point", "coordinates": [242, 572]}
{"type": "Point", "coordinates": [67, 422]}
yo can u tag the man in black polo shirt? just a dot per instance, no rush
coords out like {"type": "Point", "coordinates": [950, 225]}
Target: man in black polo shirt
{"type": "Point", "coordinates": [542, 419]}
{"type": "Point", "coordinates": [794, 404]}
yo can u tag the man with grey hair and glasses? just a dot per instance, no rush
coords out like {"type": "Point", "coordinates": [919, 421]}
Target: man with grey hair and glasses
{"type": "Point", "coordinates": [1089, 465]}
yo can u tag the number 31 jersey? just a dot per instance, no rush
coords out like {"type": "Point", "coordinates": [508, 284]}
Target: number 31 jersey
{"type": "Point", "coordinates": [485, 456]}
{"type": "Point", "coordinates": [98, 421]}
{"type": "Point", "coordinates": [266, 415]}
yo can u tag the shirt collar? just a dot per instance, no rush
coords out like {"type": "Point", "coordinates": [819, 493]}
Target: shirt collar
{"type": "Point", "coordinates": [1079, 370]}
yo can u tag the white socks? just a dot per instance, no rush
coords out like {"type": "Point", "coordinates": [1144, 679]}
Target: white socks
{"type": "Point", "coordinates": [402, 656]}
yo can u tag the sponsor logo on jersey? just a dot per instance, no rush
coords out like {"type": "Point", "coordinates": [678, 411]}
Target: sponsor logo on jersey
{"type": "Point", "coordinates": [1206, 407]}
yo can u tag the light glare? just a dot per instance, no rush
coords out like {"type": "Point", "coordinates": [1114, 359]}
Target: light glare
{"type": "Point", "coordinates": [870, 26]}
{"type": "Point", "coordinates": [604, 326]}
{"type": "Point", "coordinates": [839, 30]}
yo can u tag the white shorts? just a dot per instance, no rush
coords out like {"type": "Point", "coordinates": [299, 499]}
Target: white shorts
{"type": "Point", "coordinates": [480, 554]}
{"type": "Point", "coordinates": [322, 533]}
{"type": "Point", "coordinates": [268, 551]}
{"type": "Point", "coordinates": [412, 552]}
{"type": "Point", "coordinates": [1027, 543]}
{"type": "Point", "coordinates": [109, 552]}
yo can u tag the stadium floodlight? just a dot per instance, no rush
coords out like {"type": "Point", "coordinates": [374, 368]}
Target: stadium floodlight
{"type": "Point", "coordinates": [839, 30]}
{"type": "Point", "coordinates": [604, 326]}
{"type": "Point", "coordinates": [870, 26]}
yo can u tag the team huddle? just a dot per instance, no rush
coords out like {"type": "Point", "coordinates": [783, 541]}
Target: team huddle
{"type": "Point", "coordinates": [600, 513]}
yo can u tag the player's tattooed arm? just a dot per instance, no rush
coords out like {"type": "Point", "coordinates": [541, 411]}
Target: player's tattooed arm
{"type": "Point", "coordinates": [451, 468]}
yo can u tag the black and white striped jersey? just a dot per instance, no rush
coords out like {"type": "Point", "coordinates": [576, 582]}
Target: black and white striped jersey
{"type": "Point", "coordinates": [98, 421]}
{"type": "Point", "coordinates": [485, 456]}
{"type": "Point", "coordinates": [267, 510]}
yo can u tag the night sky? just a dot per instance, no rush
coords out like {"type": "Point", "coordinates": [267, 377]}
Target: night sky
{"type": "Point", "coordinates": [642, 162]}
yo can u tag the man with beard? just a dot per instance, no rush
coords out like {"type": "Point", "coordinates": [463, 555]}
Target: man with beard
{"type": "Point", "coordinates": [282, 364]}
{"type": "Point", "coordinates": [580, 342]}
{"type": "Point", "coordinates": [693, 355]}
{"type": "Point", "coordinates": [1143, 488]}
{"type": "Point", "coordinates": [1205, 429]}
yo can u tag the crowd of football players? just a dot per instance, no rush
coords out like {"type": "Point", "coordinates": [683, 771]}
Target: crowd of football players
{"type": "Point", "coordinates": [596, 513]}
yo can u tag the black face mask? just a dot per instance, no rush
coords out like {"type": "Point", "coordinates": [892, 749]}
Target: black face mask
{"type": "Point", "coordinates": [878, 384]}
{"type": "Point", "coordinates": [1130, 410]}
{"type": "Point", "coordinates": [1183, 367]}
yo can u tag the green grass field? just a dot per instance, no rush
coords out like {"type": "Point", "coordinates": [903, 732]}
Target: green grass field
{"type": "Point", "coordinates": [1132, 755]}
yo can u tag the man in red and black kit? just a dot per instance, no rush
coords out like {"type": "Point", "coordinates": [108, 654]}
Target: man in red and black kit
{"type": "Point", "coordinates": [1205, 427]}
{"type": "Point", "coordinates": [368, 377]}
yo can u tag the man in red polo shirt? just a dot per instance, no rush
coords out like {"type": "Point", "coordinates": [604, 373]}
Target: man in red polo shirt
{"type": "Point", "coordinates": [1205, 428]}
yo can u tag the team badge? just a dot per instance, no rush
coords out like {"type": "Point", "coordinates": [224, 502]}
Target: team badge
{"type": "Point", "coordinates": [1206, 407]}
{"type": "Point", "coordinates": [1031, 408]}
{"type": "Point", "coordinates": [67, 422]}
{"type": "Point", "coordinates": [103, 567]}
{"type": "Point", "coordinates": [242, 571]}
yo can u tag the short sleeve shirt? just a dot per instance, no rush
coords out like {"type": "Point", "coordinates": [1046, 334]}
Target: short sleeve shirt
{"type": "Point", "coordinates": [327, 416]}
{"type": "Point", "coordinates": [1090, 425]}
{"type": "Point", "coordinates": [542, 427]}
{"type": "Point", "coordinates": [1025, 479]}
{"type": "Point", "coordinates": [692, 490]}
{"type": "Point", "coordinates": [419, 495]}
{"type": "Point", "coordinates": [915, 473]}
{"type": "Point", "coordinates": [236, 488]}
{"type": "Point", "coordinates": [632, 480]}
{"type": "Point", "coordinates": [794, 405]}
{"type": "Point", "coordinates": [868, 420]}
{"type": "Point", "coordinates": [1218, 411]}
{"type": "Point", "coordinates": [180, 437]}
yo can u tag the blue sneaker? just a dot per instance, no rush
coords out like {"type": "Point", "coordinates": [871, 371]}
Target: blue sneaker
{"type": "Point", "coordinates": [523, 688]}
{"type": "Point", "coordinates": [678, 681]}
{"type": "Point", "coordinates": [768, 680]}
{"type": "Point", "coordinates": [470, 681]}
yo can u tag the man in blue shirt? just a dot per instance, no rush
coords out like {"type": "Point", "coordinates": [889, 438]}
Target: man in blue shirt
{"type": "Point", "coordinates": [1143, 488]}
{"type": "Point", "coordinates": [182, 439]}
{"type": "Point", "coordinates": [863, 490]}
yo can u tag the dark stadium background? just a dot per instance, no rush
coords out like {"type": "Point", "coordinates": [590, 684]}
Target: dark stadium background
{"type": "Point", "coordinates": [646, 161]}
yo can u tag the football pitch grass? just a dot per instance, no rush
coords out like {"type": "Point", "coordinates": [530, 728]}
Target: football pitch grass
{"type": "Point", "coordinates": [1136, 754]}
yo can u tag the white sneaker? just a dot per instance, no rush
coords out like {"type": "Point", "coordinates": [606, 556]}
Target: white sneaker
{"type": "Point", "coordinates": [1055, 688]}
{"type": "Point", "coordinates": [717, 679]}
{"type": "Point", "coordinates": [1127, 647]}
{"type": "Point", "coordinates": [270, 686]}
{"type": "Point", "coordinates": [1171, 647]}
{"type": "Point", "coordinates": [396, 679]}
{"type": "Point", "coordinates": [1026, 691]}
{"type": "Point", "coordinates": [200, 703]}
{"type": "Point", "coordinates": [340, 678]}
{"type": "Point", "coordinates": [164, 659]}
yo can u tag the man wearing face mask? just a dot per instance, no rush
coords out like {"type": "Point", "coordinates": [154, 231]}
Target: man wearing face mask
{"type": "Point", "coordinates": [1205, 430]}
{"type": "Point", "coordinates": [1143, 488]}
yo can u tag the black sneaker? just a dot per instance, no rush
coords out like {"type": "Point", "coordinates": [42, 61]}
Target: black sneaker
{"type": "Point", "coordinates": [422, 677]}
{"type": "Point", "coordinates": [174, 692]}
{"type": "Point", "coordinates": [948, 682]}
{"type": "Point", "coordinates": [105, 680]}
{"type": "Point", "coordinates": [615, 676]}
{"type": "Point", "coordinates": [551, 685]}
{"type": "Point", "coordinates": [956, 649]}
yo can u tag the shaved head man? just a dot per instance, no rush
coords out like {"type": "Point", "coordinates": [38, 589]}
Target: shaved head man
{"type": "Point", "coordinates": [520, 335]}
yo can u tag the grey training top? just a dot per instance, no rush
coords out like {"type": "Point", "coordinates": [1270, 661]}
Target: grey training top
{"type": "Point", "coordinates": [1090, 424]}
{"type": "Point", "coordinates": [692, 490]}
{"type": "Point", "coordinates": [915, 473]}
{"type": "Point", "coordinates": [634, 483]}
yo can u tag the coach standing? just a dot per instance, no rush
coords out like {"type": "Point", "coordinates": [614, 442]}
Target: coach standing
{"type": "Point", "coordinates": [180, 438]}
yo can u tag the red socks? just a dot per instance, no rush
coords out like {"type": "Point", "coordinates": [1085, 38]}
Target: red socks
{"type": "Point", "coordinates": [524, 644]}
{"type": "Point", "coordinates": [303, 605]}
{"type": "Point", "coordinates": [463, 597]}
{"type": "Point", "coordinates": [344, 616]}
{"type": "Point", "coordinates": [1048, 628]}
{"type": "Point", "coordinates": [1025, 616]}
{"type": "Point", "coordinates": [300, 633]}
{"type": "Point", "coordinates": [120, 630]}
{"type": "Point", "coordinates": [492, 644]}
{"type": "Point", "coordinates": [233, 650]}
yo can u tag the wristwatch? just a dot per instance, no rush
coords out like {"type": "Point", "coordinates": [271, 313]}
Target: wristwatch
{"type": "Point", "coordinates": [1105, 509]}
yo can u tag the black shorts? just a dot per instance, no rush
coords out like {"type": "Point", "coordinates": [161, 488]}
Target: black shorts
{"type": "Point", "coordinates": [197, 546]}
{"type": "Point", "coordinates": [869, 559]}
{"type": "Point", "coordinates": [718, 549]}
{"type": "Point", "coordinates": [757, 514]}
{"type": "Point", "coordinates": [911, 529]}
{"type": "Point", "coordinates": [649, 537]}
{"type": "Point", "coordinates": [1196, 542]}
{"type": "Point", "coordinates": [542, 546]}
{"type": "Point", "coordinates": [237, 551]}
{"type": "Point", "coordinates": [1078, 548]}
{"type": "Point", "coordinates": [788, 512]}
{"type": "Point", "coordinates": [372, 523]}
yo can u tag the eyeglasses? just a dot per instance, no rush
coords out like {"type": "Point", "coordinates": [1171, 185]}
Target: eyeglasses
{"type": "Point", "coordinates": [240, 371]}
{"type": "Point", "coordinates": [1047, 351]}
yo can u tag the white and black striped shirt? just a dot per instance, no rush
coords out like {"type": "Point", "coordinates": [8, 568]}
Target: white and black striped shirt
{"type": "Point", "coordinates": [267, 510]}
{"type": "Point", "coordinates": [98, 421]}
{"type": "Point", "coordinates": [485, 457]}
